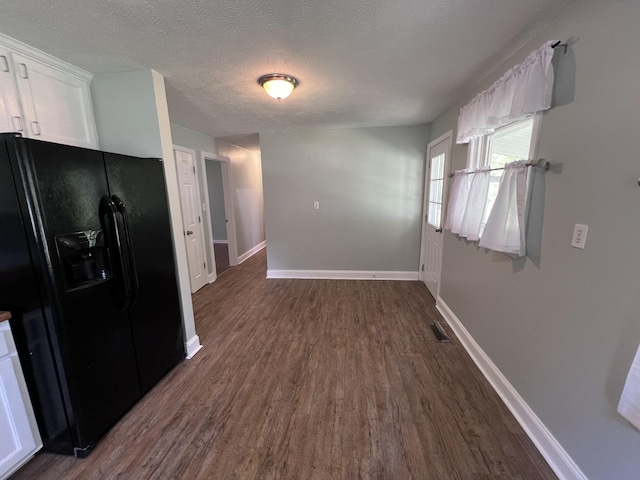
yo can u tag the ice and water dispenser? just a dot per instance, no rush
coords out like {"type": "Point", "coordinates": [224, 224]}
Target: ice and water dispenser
{"type": "Point", "coordinates": [84, 258]}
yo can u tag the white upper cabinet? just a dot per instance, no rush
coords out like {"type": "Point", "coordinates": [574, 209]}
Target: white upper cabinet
{"type": "Point", "coordinates": [10, 113]}
{"type": "Point", "coordinates": [43, 97]}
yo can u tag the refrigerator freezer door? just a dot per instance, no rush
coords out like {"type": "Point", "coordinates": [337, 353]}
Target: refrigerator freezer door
{"type": "Point", "coordinates": [139, 185]}
{"type": "Point", "coordinates": [90, 336]}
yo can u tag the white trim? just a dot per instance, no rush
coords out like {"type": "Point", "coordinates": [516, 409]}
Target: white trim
{"type": "Point", "coordinates": [343, 274]}
{"type": "Point", "coordinates": [192, 347]}
{"type": "Point", "coordinates": [221, 241]}
{"type": "Point", "coordinates": [212, 277]}
{"type": "Point", "coordinates": [229, 209]}
{"type": "Point", "coordinates": [44, 58]}
{"type": "Point", "coordinates": [251, 252]}
{"type": "Point", "coordinates": [558, 459]}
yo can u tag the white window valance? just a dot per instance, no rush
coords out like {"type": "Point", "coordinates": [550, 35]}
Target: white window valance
{"type": "Point", "coordinates": [525, 89]}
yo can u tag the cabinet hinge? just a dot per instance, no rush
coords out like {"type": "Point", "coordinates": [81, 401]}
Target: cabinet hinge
{"type": "Point", "coordinates": [205, 265]}
{"type": "Point", "coordinates": [199, 221]}
{"type": "Point", "coordinates": [5, 63]}
{"type": "Point", "coordinates": [422, 267]}
{"type": "Point", "coordinates": [194, 169]}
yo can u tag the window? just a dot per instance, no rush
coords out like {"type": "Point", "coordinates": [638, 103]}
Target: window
{"type": "Point", "coordinates": [507, 144]}
{"type": "Point", "coordinates": [436, 181]}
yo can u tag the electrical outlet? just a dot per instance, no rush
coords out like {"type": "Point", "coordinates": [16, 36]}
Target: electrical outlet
{"type": "Point", "coordinates": [316, 205]}
{"type": "Point", "coordinates": [579, 236]}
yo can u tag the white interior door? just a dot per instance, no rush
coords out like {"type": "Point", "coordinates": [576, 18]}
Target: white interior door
{"type": "Point", "coordinates": [435, 194]}
{"type": "Point", "coordinates": [191, 216]}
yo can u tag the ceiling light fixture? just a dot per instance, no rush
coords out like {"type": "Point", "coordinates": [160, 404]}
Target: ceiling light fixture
{"type": "Point", "coordinates": [278, 85]}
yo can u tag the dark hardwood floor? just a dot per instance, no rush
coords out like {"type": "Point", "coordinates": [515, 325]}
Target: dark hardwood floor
{"type": "Point", "coordinates": [221, 252]}
{"type": "Point", "coordinates": [313, 379]}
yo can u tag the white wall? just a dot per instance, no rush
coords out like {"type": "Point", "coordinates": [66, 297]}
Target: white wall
{"type": "Point", "coordinates": [369, 185]}
{"type": "Point", "coordinates": [247, 192]}
{"type": "Point", "coordinates": [132, 118]}
{"type": "Point", "coordinates": [563, 324]}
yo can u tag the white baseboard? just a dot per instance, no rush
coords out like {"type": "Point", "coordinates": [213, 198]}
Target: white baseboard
{"type": "Point", "coordinates": [251, 252]}
{"type": "Point", "coordinates": [192, 346]}
{"type": "Point", "coordinates": [221, 241]}
{"type": "Point", "coordinates": [211, 277]}
{"type": "Point", "coordinates": [558, 459]}
{"type": "Point", "coordinates": [342, 274]}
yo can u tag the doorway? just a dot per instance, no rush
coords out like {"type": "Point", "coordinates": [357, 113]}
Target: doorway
{"type": "Point", "coordinates": [435, 194]}
{"type": "Point", "coordinates": [218, 199]}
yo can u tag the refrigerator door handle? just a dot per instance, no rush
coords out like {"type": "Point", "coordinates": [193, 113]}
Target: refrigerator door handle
{"type": "Point", "coordinates": [122, 208]}
{"type": "Point", "coordinates": [109, 219]}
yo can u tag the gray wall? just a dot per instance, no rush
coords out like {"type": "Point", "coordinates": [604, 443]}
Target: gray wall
{"type": "Point", "coordinates": [185, 137]}
{"type": "Point", "coordinates": [563, 324]}
{"type": "Point", "coordinates": [369, 185]}
{"type": "Point", "coordinates": [216, 200]}
{"type": "Point", "coordinates": [247, 192]}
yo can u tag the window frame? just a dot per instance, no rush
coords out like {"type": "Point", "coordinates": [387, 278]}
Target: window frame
{"type": "Point", "coordinates": [478, 156]}
{"type": "Point", "coordinates": [480, 150]}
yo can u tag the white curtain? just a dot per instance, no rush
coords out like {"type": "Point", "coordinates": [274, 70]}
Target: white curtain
{"type": "Point", "coordinates": [457, 201]}
{"type": "Point", "coordinates": [523, 90]}
{"type": "Point", "coordinates": [505, 228]}
{"type": "Point", "coordinates": [472, 221]}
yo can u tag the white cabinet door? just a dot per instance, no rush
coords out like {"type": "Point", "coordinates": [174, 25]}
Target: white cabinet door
{"type": "Point", "coordinates": [10, 114]}
{"type": "Point", "coordinates": [56, 105]}
{"type": "Point", "coordinates": [17, 439]}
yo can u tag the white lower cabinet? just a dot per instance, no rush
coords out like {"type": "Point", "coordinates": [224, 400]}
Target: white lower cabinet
{"type": "Point", "coordinates": [19, 437]}
{"type": "Point", "coordinates": [44, 98]}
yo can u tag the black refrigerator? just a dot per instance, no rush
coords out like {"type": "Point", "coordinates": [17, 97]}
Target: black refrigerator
{"type": "Point", "coordinates": [87, 271]}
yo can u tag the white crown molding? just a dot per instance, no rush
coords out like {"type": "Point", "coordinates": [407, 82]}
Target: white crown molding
{"type": "Point", "coordinates": [45, 58]}
{"type": "Point", "coordinates": [558, 459]}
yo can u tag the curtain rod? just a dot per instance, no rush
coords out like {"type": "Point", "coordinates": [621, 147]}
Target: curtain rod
{"type": "Point", "coordinates": [559, 44]}
{"type": "Point", "coordinates": [541, 162]}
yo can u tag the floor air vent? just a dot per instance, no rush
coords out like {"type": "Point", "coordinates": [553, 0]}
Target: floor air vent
{"type": "Point", "coordinates": [439, 332]}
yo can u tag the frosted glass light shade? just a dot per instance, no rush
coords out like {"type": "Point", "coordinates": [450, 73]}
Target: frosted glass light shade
{"type": "Point", "coordinates": [278, 85]}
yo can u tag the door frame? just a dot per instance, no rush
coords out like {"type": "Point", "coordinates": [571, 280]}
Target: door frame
{"type": "Point", "coordinates": [199, 196]}
{"type": "Point", "coordinates": [425, 205]}
{"type": "Point", "coordinates": [229, 210]}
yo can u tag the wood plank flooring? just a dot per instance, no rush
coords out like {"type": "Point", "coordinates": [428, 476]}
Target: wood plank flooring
{"type": "Point", "coordinates": [313, 379]}
{"type": "Point", "coordinates": [221, 252]}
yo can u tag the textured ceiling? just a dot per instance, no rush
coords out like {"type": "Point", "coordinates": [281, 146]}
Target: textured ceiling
{"type": "Point", "coordinates": [359, 62]}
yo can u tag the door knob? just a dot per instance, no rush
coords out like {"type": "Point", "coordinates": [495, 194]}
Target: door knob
{"type": "Point", "coordinates": [438, 230]}
{"type": "Point", "coordinates": [189, 232]}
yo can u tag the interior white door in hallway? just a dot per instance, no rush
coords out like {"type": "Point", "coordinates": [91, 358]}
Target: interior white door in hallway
{"type": "Point", "coordinates": [191, 216]}
{"type": "Point", "coordinates": [435, 194]}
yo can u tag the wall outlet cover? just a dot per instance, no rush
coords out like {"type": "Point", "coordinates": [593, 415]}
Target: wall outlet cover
{"type": "Point", "coordinates": [579, 238]}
